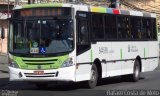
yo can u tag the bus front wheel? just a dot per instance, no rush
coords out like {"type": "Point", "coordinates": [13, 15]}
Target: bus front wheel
{"type": "Point", "coordinates": [93, 77]}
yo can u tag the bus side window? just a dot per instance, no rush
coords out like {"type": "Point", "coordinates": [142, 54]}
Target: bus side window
{"type": "Point", "coordinates": [83, 32]}
{"type": "Point", "coordinates": [136, 28]}
{"type": "Point", "coordinates": [98, 27]}
{"type": "Point", "coordinates": [82, 36]}
{"type": "Point", "coordinates": [110, 27]}
{"type": "Point", "coordinates": [153, 28]}
{"type": "Point", "coordinates": [123, 27]}
{"type": "Point", "coordinates": [146, 28]}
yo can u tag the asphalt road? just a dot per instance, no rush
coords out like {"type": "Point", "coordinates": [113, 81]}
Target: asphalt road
{"type": "Point", "coordinates": [148, 81]}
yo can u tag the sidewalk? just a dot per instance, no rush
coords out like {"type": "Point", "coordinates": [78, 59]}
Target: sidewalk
{"type": "Point", "coordinates": [3, 58]}
{"type": "Point", "coordinates": [3, 65]}
{"type": "Point", "coordinates": [4, 75]}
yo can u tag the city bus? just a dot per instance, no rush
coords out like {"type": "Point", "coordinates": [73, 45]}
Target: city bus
{"type": "Point", "coordinates": [75, 43]}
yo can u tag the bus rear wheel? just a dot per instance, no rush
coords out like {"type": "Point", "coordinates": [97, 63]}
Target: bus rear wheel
{"type": "Point", "coordinates": [136, 72]}
{"type": "Point", "coordinates": [93, 78]}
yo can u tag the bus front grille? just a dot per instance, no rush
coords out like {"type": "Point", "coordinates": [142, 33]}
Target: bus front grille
{"type": "Point", "coordinates": [55, 74]}
{"type": "Point", "coordinates": [39, 62]}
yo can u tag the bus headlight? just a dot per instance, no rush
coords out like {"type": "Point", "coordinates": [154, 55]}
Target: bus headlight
{"type": "Point", "coordinates": [12, 63]}
{"type": "Point", "coordinates": [67, 63]}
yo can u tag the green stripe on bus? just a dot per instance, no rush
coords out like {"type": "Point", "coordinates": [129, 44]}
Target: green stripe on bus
{"type": "Point", "coordinates": [91, 56]}
{"type": "Point", "coordinates": [121, 54]}
{"type": "Point", "coordinates": [144, 52]}
{"type": "Point", "coordinates": [43, 5]}
{"type": "Point", "coordinates": [45, 63]}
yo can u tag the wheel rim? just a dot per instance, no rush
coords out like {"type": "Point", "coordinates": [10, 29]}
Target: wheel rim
{"type": "Point", "coordinates": [137, 72]}
{"type": "Point", "coordinates": [93, 79]}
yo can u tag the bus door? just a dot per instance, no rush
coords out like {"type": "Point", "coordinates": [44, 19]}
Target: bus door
{"type": "Point", "coordinates": [83, 47]}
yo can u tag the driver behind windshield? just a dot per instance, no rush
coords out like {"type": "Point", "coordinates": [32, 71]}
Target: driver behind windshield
{"type": "Point", "coordinates": [34, 35]}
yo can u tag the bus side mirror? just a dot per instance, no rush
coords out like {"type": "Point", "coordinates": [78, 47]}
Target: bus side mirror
{"type": "Point", "coordinates": [2, 33]}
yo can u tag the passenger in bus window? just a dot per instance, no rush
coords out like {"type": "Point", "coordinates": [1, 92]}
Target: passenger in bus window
{"type": "Point", "coordinates": [128, 34]}
{"type": "Point", "coordinates": [83, 34]}
{"type": "Point", "coordinates": [33, 34]}
{"type": "Point", "coordinates": [139, 34]}
{"type": "Point", "coordinates": [149, 33]}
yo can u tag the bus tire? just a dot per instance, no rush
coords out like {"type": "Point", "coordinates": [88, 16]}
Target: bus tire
{"type": "Point", "coordinates": [93, 78]}
{"type": "Point", "coordinates": [136, 72]}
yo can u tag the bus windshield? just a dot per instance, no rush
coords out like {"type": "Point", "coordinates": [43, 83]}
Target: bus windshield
{"type": "Point", "coordinates": [43, 36]}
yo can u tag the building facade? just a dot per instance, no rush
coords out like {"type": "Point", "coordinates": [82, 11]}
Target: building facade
{"type": "Point", "coordinates": [4, 14]}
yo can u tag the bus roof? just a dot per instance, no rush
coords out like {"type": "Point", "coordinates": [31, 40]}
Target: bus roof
{"type": "Point", "coordinates": [88, 8]}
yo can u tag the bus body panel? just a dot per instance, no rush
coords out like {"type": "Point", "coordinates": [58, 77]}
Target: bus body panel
{"type": "Point", "coordinates": [120, 57]}
{"type": "Point", "coordinates": [153, 54]}
{"type": "Point", "coordinates": [83, 72]}
{"type": "Point", "coordinates": [84, 65]}
{"type": "Point", "coordinates": [100, 51]}
{"type": "Point", "coordinates": [61, 74]}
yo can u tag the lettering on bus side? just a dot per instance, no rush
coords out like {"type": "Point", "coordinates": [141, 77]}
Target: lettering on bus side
{"type": "Point", "coordinates": [105, 50]}
{"type": "Point", "coordinates": [132, 48]}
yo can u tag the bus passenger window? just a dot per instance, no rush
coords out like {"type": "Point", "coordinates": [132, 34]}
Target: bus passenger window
{"type": "Point", "coordinates": [136, 31]}
{"type": "Point", "coordinates": [83, 36]}
{"type": "Point", "coordinates": [83, 43]}
{"type": "Point", "coordinates": [123, 27]}
{"type": "Point", "coordinates": [153, 28]}
{"type": "Point", "coordinates": [98, 27]}
{"type": "Point", "coordinates": [110, 27]}
{"type": "Point", "coordinates": [83, 32]}
{"type": "Point", "coordinates": [146, 28]}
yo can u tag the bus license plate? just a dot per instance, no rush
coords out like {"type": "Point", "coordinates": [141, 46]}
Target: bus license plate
{"type": "Point", "coordinates": [38, 72]}
{"type": "Point", "coordinates": [34, 50]}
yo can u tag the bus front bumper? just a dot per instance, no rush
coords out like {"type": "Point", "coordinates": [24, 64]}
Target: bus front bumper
{"type": "Point", "coordinates": [61, 74]}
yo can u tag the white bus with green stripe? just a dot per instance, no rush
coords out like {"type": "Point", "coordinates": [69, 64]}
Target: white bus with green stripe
{"type": "Point", "coordinates": [68, 42]}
